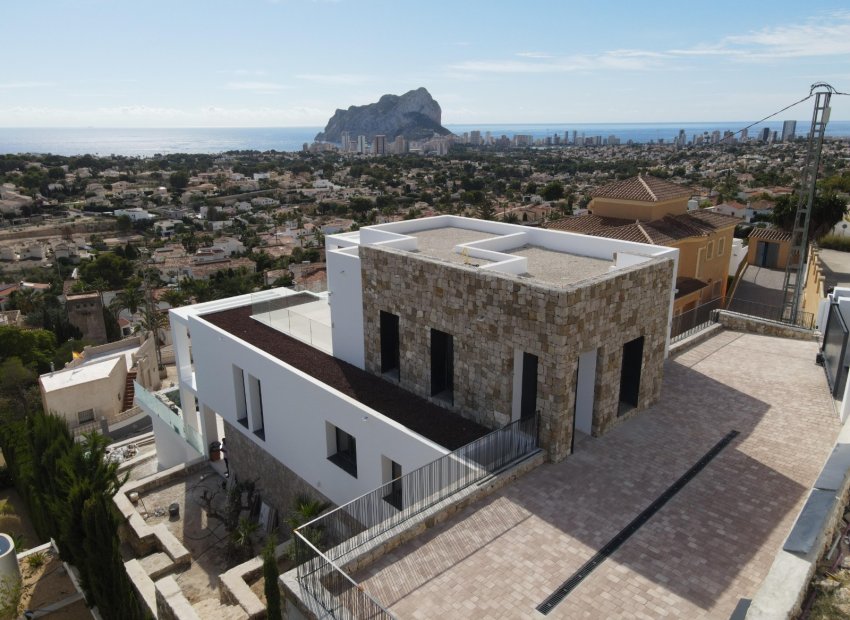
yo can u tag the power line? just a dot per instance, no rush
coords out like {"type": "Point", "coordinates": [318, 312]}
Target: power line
{"type": "Point", "coordinates": [769, 116]}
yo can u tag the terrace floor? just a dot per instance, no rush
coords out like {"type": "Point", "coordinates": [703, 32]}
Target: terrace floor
{"type": "Point", "coordinates": [708, 547]}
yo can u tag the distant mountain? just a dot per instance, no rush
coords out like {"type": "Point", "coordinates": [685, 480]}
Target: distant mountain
{"type": "Point", "coordinates": [414, 115]}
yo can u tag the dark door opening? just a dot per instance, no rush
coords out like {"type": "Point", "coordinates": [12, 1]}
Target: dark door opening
{"type": "Point", "coordinates": [442, 365]}
{"type": "Point", "coordinates": [389, 343]}
{"type": "Point", "coordinates": [528, 402]}
{"type": "Point", "coordinates": [630, 374]}
{"type": "Point", "coordinates": [394, 496]}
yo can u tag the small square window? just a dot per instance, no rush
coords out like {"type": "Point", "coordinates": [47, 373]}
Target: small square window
{"type": "Point", "coordinates": [343, 451]}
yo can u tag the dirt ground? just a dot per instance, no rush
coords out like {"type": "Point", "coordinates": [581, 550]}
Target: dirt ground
{"type": "Point", "coordinates": [17, 522]}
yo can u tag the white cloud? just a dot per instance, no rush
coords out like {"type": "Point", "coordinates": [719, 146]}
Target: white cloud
{"type": "Point", "coordinates": [344, 79]}
{"type": "Point", "coordinates": [533, 55]}
{"type": "Point", "coordinates": [631, 60]}
{"type": "Point", "coordinates": [256, 87]}
{"type": "Point", "coordinates": [17, 85]}
{"type": "Point", "coordinates": [825, 35]}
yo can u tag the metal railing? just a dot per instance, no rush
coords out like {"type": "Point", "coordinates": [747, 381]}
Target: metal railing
{"type": "Point", "coordinates": [806, 320]}
{"type": "Point", "coordinates": [694, 320]}
{"type": "Point", "coordinates": [323, 544]}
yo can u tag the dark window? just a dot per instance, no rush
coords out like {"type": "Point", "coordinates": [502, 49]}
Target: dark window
{"type": "Point", "coordinates": [239, 391]}
{"type": "Point", "coordinates": [257, 420]}
{"type": "Point", "coordinates": [85, 416]}
{"type": "Point", "coordinates": [345, 456]}
{"type": "Point", "coordinates": [528, 402]}
{"type": "Point", "coordinates": [393, 498]}
{"type": "Point", "coordinates": [389, 343]}
{"type": "Point", "coordinates": [442, 365]}
{"type": "Point", "coordinates": [630, 374]}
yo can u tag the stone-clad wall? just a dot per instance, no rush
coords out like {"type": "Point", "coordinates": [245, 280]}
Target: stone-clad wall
{"type": "Point", "coordinates": [490, 315]}
{"type": "Point", "coordinates": [277, 484]}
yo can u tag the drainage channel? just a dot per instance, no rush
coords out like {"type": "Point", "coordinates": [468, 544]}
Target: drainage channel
{"type": "Point", "coordinates": [615, 543]}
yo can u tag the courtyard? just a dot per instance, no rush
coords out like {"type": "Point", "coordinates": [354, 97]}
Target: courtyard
{"type": "Point", "coordinates": [704, 551]}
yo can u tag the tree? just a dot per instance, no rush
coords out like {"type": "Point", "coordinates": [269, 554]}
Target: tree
{"type": "Point", "coordinates": [108, 268]}
{"type": "Point", "coordinates": [179, 179]}
{"type": "Point", "coordinates": [553, 191]}
{"type": "Point", "coordinates": [16, 383]}
{"type": "Point", "coordinates": [130, 298]}
{"type": "Point", "coordinates": [270, 575]}
{"type": "Point", "coordinates": [827, 210]}
{"type": "Point", "coordinates": [173, 297]}
{"type": "Point", "coordinates": [34, 347]}
{"type": "Point", "coordinates": [124, 224]}
{"type": "Point", "coordinates": [486, 211]}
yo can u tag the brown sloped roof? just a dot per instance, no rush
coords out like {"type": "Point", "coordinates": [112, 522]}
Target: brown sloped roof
{"type": "Point", "coordinates": [770, 234]}
{"type": "Point", "coordinates": [644, 188]}
{"type": "Point", "coordinates": [686, 286]}
{"type": "Point", "coordinates": [713, 218]}
{"type": "Point", "coordinates": [664, 231]}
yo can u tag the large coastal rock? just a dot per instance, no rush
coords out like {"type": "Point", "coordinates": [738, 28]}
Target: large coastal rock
{"type": "Point", "coordinates": [414, 115]}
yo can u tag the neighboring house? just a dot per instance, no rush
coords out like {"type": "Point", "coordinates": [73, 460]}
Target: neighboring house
{"type": "Point", "coordinates": [650, 210]}
{"type": "Point", "coordinates": [433, 333]}
{"type": "Point", "coordinates": [135, 214]}
{"type": "Point", "coordinates": [165, 228]}
{"type": "Point", "coordinates": [769, 247]}
{"type": "Point", "coordinates": [98, 385]}
{"type": "Point", "coordinates": [85, 312]}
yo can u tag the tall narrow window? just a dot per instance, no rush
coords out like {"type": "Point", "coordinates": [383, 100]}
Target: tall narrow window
{"type": "Point", "coordinates": [442, 365]}
{"type": "Point", "coordinates": [256, 394]}
{"type": "Point", "coordinates": [528, 404]}
{"type": "Point", "coordinates": [239, 392]}
{"type": "Point", "coordinates": [389, 344]}
{"type": "Point", "coordinates": [393, 488]}
{"type": "Point", "coordinates": [630, 374]}
{"type": "Point", "coordinates": [343, 450]}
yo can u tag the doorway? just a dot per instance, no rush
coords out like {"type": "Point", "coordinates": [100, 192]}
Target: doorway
{"type": "Point", "coordinates": [528, 400]}
{"type": "Point", "coordinates": [630, 374]}
{"type": "Point", "coordinates": [389, 344]}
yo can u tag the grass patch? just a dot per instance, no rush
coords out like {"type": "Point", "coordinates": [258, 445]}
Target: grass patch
{"type": "Point", "coordinates": [834, 242]}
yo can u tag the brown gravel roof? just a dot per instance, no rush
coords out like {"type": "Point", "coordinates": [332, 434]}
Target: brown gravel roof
{"type": "Point", "coordinates": [770, 234]}
{"type": "Point", "coordinates": [435, 423]}
{"type": "Point", "coordinates": [643, 187]}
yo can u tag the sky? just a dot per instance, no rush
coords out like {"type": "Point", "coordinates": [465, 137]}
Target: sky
{"type": "Point", "coordinates": [287, 63]}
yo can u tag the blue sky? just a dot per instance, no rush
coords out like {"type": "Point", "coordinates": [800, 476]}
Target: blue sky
{"type": "Point", "coordinates": [197, 63]}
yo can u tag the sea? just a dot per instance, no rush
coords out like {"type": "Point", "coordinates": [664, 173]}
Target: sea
{"type": "Point", "coordinates": [148, 142]}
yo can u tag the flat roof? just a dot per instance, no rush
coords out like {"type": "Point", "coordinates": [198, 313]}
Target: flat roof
{"type": "Point", "coordinates": [417, 414]}
{"type": "Point", "coordinates": [544, 264]}
{"type": "Point", "coordinates": [561, 268]}
{"type": "Point", "coordinates": [81, 374]}
{"type": "Point", "coordinates": [440, 243]}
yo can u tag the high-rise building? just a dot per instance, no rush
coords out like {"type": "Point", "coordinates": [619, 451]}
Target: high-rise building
{"type": "Point", "coordinates": [379, 146]}
{"type": "Point", "coordinates": [345, 138]}
{"type": "Point", "coordinates": [715, 136]}
{"type": "Point", "coordinates": [744, 135]}
{"type": "Point", "coordinates": [789, 131]}
{"type": "Point", "coordinates": [575, 136]}
{"type": "Point", "coordinates": [475, 137]}
{"type": "Point", "coordinates": [764, 135]}
{"type": "Point", "coordinates": [361, 144]}
{"type": "Point", "coordinates": [400, 145]}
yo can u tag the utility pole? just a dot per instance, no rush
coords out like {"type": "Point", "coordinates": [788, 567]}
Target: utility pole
{"type": "Point", "coordinates": [795, 273]}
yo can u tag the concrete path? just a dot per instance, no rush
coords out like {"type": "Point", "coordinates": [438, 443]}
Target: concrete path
{"type": "Point", "coordinates": [710, 546]}
{"type": "Point", "coordinates": [760, 285]}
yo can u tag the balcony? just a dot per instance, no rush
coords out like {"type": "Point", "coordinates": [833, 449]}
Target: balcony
{"type": "Point", "coordinates": [161, 405]}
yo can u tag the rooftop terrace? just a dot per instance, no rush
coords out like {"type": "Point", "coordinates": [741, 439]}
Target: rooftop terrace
{"type": "Point", "coordinates": [435, 423]}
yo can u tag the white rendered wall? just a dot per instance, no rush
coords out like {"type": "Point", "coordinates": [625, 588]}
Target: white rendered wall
{"type": "Point", "coordinates": [346, 302]}
{"type": "Point", "coordinates": [296, 408]}
{"type": "Point", "coordinates": [171, 448]}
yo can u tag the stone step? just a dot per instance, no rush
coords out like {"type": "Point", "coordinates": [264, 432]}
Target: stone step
{"type": "Point", "coordinates": [213, 608]}
{"type": "Point", "coordinates": [157, 565]}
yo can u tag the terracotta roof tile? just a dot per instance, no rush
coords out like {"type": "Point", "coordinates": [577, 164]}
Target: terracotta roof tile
{"type": "Point", "coordinates": [770, 234]}
{"type": "Point", "coordinates": [644, 188]}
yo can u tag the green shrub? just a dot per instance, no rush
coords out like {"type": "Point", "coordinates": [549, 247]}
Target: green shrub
{"type": "Point", "coordinates": [835, 242]}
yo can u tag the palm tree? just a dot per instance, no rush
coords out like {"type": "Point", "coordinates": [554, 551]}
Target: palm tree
{"type": "Point", "coordinates": [130, 298]}
{"type": "Point", "coordinates": [173, 297]}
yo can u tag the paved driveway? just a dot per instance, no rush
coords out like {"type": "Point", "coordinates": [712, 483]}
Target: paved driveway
{"type": "Point", "coordinates": [710, 546]}
{"type": "Point", "coordinates": [760, 285]}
